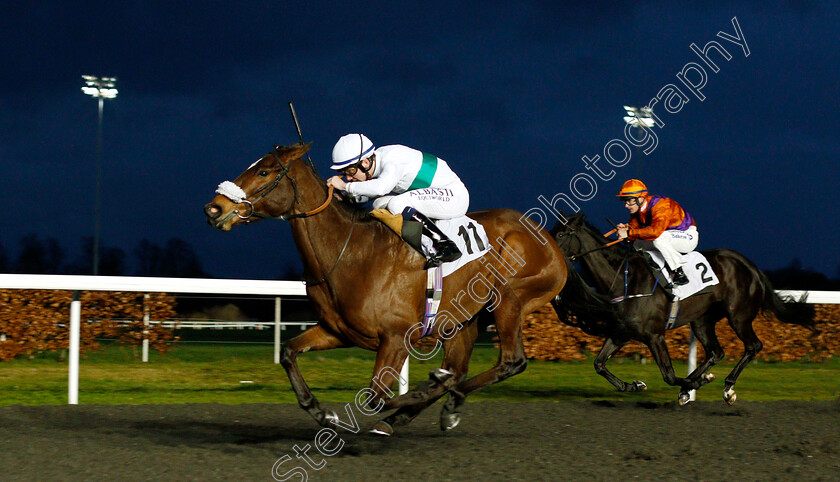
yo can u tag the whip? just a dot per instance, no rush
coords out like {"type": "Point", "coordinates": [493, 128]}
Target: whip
{"type": "Point", "coordinates": [300, 135]}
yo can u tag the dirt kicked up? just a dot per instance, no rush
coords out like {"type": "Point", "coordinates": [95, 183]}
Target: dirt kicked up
{"type": "Point", "coordinates": [594, 440]}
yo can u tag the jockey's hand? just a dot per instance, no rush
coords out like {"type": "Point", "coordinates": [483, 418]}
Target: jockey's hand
{"type": "Point", "coordinates": [622, 231]}
{"type": "Point", "coordinates": [337, 183]}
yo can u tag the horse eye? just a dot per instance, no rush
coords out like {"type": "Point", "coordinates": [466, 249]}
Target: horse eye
{"type": "Point", "coordinates": [262, 173]}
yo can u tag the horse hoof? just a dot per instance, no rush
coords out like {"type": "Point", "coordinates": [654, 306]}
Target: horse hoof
{"type": "Point", "coordinates": [709, 377]}
{"type": "Point", "coordinates": [440, 375]}
{"type": "Point", "coordinates": [639, 386]}
{"type": "Point", "coordinates": [330, 418]}
{"type": "Point", "coordinates": [382, 428]}
{"type": "Point", "coordinates": [729, 396]}
{"type": "Point", "coordinates": [684, 399]}
{"type": "Point", "coordinates": [450, 421]}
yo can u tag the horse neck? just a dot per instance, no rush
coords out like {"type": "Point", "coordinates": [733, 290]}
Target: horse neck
{"type": "Point", "coordinates": [321, 237]}
{"type": "Point", "coordinates": [598, 263]}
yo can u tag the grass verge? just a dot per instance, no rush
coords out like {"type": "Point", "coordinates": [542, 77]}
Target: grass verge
{"type": "Point", "coordinates": [239, 373]}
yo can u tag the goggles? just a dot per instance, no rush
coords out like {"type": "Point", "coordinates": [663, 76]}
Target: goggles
{"type": "Point", "coordinates": [350, 171]}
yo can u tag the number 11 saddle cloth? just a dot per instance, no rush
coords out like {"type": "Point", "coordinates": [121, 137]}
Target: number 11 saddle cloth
{"type": "Point", "coordinates": [470, 237]}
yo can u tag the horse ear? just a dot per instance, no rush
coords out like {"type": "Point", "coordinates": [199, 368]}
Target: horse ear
{"type": "Point", "coordinates": [295, 151]}
{"type": "Point", "coordinates": [303, 148]}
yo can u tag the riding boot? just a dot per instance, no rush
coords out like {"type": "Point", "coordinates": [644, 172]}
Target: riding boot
{"type": "Point", "coordinates": [445, 250]}
{"type": "Point", "coordinates": [679, 278]}
{"type": "Point", "coordinates": [412, 232]}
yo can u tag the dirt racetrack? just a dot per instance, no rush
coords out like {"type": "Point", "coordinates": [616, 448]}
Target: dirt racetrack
{"type": "Point", "coordinates": [495, 441]}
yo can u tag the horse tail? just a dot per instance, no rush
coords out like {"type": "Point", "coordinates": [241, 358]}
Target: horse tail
{"type": "Point", "coordinates": [580, 306]}
{"type": "Point", "coordinates": [788, 309]}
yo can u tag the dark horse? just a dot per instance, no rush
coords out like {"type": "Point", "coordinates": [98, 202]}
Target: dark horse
{"type": "Point", "coordinates": [742, 291]}
{"type": "Point", "coordinates": [369, 287]}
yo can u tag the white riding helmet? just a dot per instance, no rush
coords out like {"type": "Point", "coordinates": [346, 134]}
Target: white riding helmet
{"type": "Point", "coordinates": [351, 149]}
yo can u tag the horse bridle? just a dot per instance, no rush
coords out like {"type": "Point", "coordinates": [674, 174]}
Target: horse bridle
{"type": "Point", "coordinates": [625, 264]}
{"type": "Point", "coordinates": [283, 172]}
{"type": "Point", "coordinates": [264, 191]}
{"type": "Point", "coordinates": [572, 231]}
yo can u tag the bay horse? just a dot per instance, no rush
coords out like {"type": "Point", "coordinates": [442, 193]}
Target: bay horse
{"type": "Point", "coordinates": [369, 287]}
{"type": "Point", "coordinates": [743, 290]}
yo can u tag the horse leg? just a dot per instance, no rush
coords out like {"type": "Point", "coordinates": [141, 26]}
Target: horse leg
{"type": "Point", "coordinates": [389, 361]}
{"type": "Point", "coordinates": [659, 350]}
{"type": "Point", "coordinates": [390, 358]}
{"type": "Point", "coordinates": [457, 353]}
{"type": "Point", "coordinates": [508, 318]}
{"type": "Point", "coordinates": [705, 332]}
{"type": "Point", "coordinates": [315, 338]}
{"type": "Point", "coordinates": [608, 350]}
{"type": "Point", "coordinates": [742, 325]}
{"type": "Point", "coordinates": [457, 357]}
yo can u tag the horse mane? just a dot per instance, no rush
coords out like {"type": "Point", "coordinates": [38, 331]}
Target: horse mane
{"type": "Point", "coordinates": [346, 207]}
{"type": "Point", "coordinates": [614, 254]}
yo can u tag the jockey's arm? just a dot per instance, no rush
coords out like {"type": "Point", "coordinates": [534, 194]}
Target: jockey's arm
{"type": "Point", "coordinates": [624, 229]}
{"type": "Point", "coordinates": [339, 183]}
{"type": "Point", "coordinates": [658, 223]}
{"type": "Point", "coordinates": [379, 186]}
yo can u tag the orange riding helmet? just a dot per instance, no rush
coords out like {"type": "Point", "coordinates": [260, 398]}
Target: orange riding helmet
{"type": "Point", "coordinates": [633, 188]}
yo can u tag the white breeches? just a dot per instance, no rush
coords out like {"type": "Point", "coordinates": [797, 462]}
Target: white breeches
{"type": "Point", "coordinates": [671, 244]}
{"type": "Point", "coordinates": [447, 202]}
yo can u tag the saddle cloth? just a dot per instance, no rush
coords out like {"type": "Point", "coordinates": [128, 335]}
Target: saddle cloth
{"type": "Point", "coordinates": [696, 268]}
{"type": "Point", "coordinates": [468, 234]}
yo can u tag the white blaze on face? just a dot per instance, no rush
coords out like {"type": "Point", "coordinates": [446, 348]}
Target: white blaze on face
{"type": "Point", "coordinates": [254, 164]}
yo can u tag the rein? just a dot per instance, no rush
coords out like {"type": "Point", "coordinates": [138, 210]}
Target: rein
{"type": "Point", "coordinates": [624, 266]}
{"type": "Point", "coordinates": [340, 254]}
{"type": "Point", "coordinates": [580, 255]}
{"type": "Point", "coordinates": [611, 243]}
{"type": "Point", "coordinates": [284, 217]}
{"type": "Point", "coordinates": [236, 194]}
{"type": "Point", "coordinates": [267, 189]}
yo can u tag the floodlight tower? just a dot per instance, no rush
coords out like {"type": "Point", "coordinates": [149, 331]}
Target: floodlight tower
{"type": "Point", "coordinates": [101, 89]}
{"type": "Point", "coordinates": [640, 118]}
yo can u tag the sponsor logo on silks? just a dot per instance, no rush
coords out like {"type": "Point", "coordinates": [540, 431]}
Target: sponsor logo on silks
{"type": "Point", "coordinates": [432, 191]}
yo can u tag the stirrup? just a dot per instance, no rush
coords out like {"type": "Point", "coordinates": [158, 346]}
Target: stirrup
{"type": "Point", "coordinates": [445, 250]}
{"type": "Point", "coordinates": [679, 278]}
{"type": "Point", "coordinates": [432, 263]}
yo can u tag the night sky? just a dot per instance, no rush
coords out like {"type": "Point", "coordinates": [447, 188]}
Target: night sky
{"type": "Point", "coordinates": [511, 94]}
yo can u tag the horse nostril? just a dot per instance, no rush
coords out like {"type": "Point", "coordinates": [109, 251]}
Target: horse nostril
{"type": "Point", "coordinates": [212, 211]}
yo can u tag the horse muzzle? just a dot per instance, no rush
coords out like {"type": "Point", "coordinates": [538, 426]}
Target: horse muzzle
{"type": "Point", "coordinates": [220, 217]}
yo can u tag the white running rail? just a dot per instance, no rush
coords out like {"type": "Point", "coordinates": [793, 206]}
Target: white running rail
{"type": "Point", "coordinates": [226, 287]}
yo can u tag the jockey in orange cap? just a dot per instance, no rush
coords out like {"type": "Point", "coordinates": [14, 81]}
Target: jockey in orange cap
{"type": "Point", "coordinates": [657, 222]}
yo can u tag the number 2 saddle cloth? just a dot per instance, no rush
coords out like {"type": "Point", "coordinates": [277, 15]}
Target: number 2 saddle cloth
{"type": "Point", "coordinates": [696, 268]}
{"type": "Point", "coordinates": [700, 279]}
